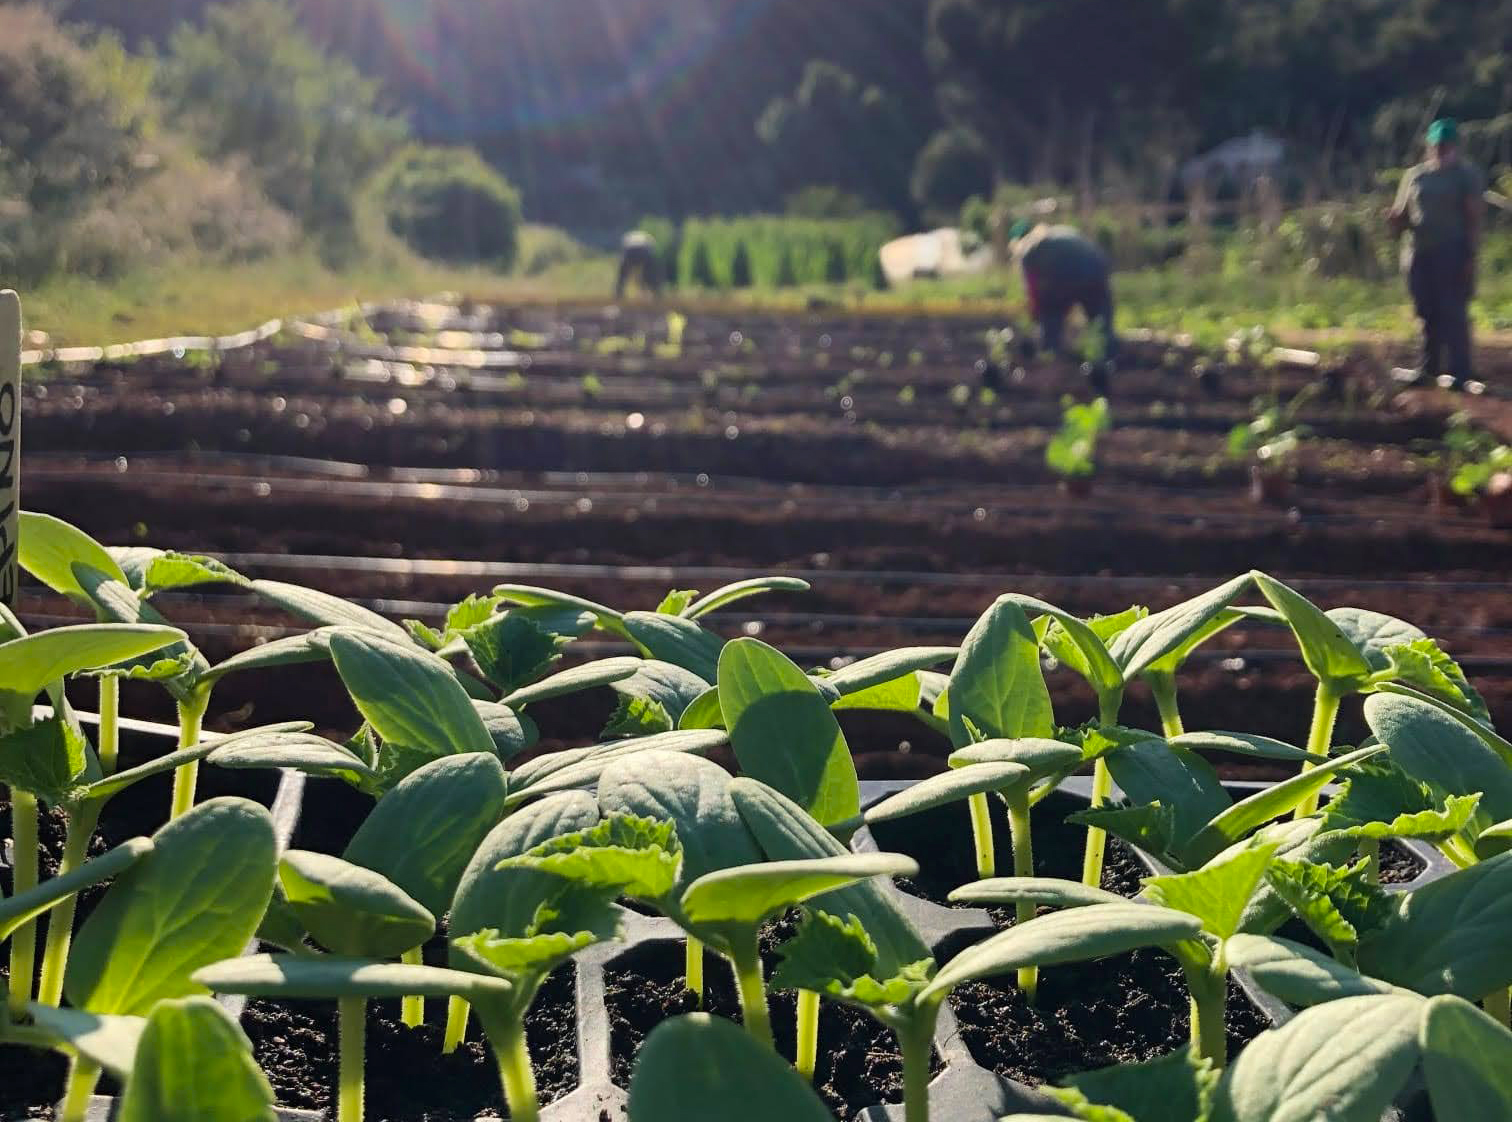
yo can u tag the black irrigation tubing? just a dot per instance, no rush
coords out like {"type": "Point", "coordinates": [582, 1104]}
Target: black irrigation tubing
{"type": "Point", "coordinates": [672, 574]}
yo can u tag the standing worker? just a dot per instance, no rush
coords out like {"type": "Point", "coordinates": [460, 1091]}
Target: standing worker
{"type": "Point", "coordinates": [638, 259]}
{"type": "Point", "coordinates": [1440, 207]}
{"type": "Point", "coordinates": [1062, 269]}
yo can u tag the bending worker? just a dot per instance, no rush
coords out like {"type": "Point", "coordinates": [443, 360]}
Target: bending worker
{"type": "Point", "coordinates": [1063, 270]}
{"type": "Point", "coordinates": [638, 259]}
{"type": "Point", "coordinates": [1440, 207]}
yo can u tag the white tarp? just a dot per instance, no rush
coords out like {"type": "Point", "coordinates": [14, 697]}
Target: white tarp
{"type": "Point", "coordinates": [938, 253]}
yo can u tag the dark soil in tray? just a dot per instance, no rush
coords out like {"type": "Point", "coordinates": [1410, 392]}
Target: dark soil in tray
{"type": "Point", "coordinates": [858, 1063]}
{"type": "Point", "coordinates": [408, 1079]}
{"type": "Point", "coordinates": [1399, 865]}
{"type": "Point", "coordinates": [1121, 1010]}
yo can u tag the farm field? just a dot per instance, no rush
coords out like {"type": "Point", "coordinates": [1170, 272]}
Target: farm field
{"type": "Point", "coordinates": [580, 447]}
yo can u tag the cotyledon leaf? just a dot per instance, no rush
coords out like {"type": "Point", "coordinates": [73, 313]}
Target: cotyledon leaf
{"type": "Point", "coordinates": [1467, 1061]}
{"type": "Point", "coordinates": [1097, 665]}
{"type": "Point", "coordinates": [17, 910]}
{"type": "Point", "coordinates": [194, 1063]}
{"type": "Point", "coordinates": [302, 751]}
{"type": "Point", "coordinates": [1042, 758]}
{"type": "Point", "coordinates": [587, 769]}
{"type": "Point", "coordinates": [748, 894]}
{"type": "Point", "coordinates": [1328, 651]}
{"type": "Point", "coordinates": [996, 685]}
{"type": "Point", "coordinates": [1047, 892]}
{"type": "Point", "coordinates": [293, 650]}
{"type": "Point", "coordinates": [576, 679]}
{"type": "Point", "coordinates": [1297, 974]}
{"type": "Point", "coordinates": [1372, 632]}
{"type": "Point", "coordinates": [530, 597]}
{"type": "Point", "coordinates": [1147, 643]}
{"type": "Point", "coordinates": [107, 1039]}
{"type": "Point", "coordinates": [325, 610]}
{"type": "Point", "coordinates": [1243, 744]}
{"type": "Point", "coordinates": [950, 787]}
{"type": "Point", "coordinates": [351, 910]}
{"type": "Point", "coordinates": [673, 687]}
{"type": "Point", "coordinates": [284, 975]}
{"type": "Point", "coordinates": [679, 641]}
{"type": "Point", "coordinates": [1155, 771]}
{"type": "Point", "coordinates": [887, 667]}
{"type": "Point", "coordinates": [30, 664]}
{"type": "Point", "coordinates": [741, 590]}
{"type": "Point", "coordinates": [49, 547]}
{"type": "Point", "coordinates": [1433, 747]}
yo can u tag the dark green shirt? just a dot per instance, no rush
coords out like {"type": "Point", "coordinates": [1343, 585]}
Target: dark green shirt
{"type": "Point", "coordinates": [1058, 259]}
{"type": "Point", "coordinates": [1434, 199]}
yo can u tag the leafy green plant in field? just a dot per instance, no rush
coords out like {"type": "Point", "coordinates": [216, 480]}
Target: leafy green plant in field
{"type": "Point", "coordinates": [1471, 457]}
{"type": "Point", "coordinates": [1273, 437]}
{"type": "Point", "coordinates": [1072, 451]}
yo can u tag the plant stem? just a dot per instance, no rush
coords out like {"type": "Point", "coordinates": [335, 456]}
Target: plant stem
{"type": "Point", "coordinates": [1097, 840]}
{"type": "Point", "coordinates": [81, 827]}
{"type": "Point", "coordinates": [351, 1017]}
{"type": "Point", "coordinates": [1458, 852]}
{"type": "Point", "coordinates": [81, 1086]}
{"type": "Point", "coordinates": [23, 958]}
{"type": "Point", "coordinates": [1320, 738]}
{"type": "Point", "coordinates": [412, 1009]}
{"type": "Point", "coordinates": [753, 999]}
{"type": "Point", "coordinates": [808, 1033]}
{"type": "Point", "coordinates": [694, 979]}
{"type": "Point", "coordinates": [186, 778]}
{"type": "Point", "coordinates": [457, 1012]}
{"type": "Point", "coordinates": [1209, 998]}
{"type": "Point", "coordinates": [1023, 866]}
{"type": "Point", "coordinates": [1163, 687]}
{"type": "Point", "coordinates": [916, 1042]}
{"type": "Point", "coordinates": [1370, 849]}
{"type": "Point", "coordinates": [110, 724]}
{"type": "Point", "coordinates": [1498, 1005]}
{"type": "Point", "coordinates": [981, 833]}
{"type": "Point", "coordinates": [515, 1071]}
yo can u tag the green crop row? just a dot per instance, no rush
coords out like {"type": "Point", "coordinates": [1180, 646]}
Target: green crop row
{"type": "Point", "coordinates": [524, 857]}
{"type": "Point", "coordinates": [773, 251]}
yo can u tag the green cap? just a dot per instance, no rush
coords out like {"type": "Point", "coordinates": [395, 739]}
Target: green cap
{"type": "Point", "coordinates": [1019, 229]}
{"type": "Point", "coordinates": [1443, 131]}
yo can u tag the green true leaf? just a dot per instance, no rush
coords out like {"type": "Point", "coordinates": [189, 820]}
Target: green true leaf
{"type": "Point", "coordinates": [1075, 643]}
{"type": "Point", "coordinates": [1248, 814]}
{"type": "Point", "coordinates": [590, 675]}
{"type": "Point", "coordinates": [194, 899]}
{"type": "Point", "coordinates": [691, 793]}
{"type": "Point", "coordinates": [1044, 892]}
{"type": "Point", "coordinates": [47, 760]}
{"type": "Point", "coordinates": [571, 918]}
{"type": "Point", "coordinates": [676, 601]}
{"type": "Point", "coordinates": [1436, 749]}
{"type": "Point", "coordinates": [302, 751]}
{"type": "Point", "coordinates": [194, 1063]}
{"type": "Point", "coordinates": [1076, 935]}
{"type": "Point", "coordinates": [1322, 1066]}
{"type": "Point", "coordinates": [1243, 744]}
{"type": "Point", "coordinates": [49, 547]}
{"type": "Point", "coordinates": [839, 959]}
{"type": "Point", "coordinates": [637, 856]}
{"type": "Point", "coordinates": [637, 716]}
{"type": "Point", "coordinates": [154, 670]}
{"type": "Point", "coordinates": [786, 833]}
{"type": "Point", "coordinates": [996, 684]}
{"type": "Point", "coordinates": [947, 788]}
{"type": "Point", "coordinates": [746, 895]}
{"type": "Point", "coordinates": [325, 610]}
{"type": "Point", "coordinates": [1217, 893]}
{"type": "Point", "coordinates": [286, 975]}
{"type": "Point", "coordinates": [350, 910]}
{"type": "Point", "coordinates": [741, 590]}
{"type": "Point", "coordinates": [116, 602]}
{"type": "Point", "coordinates": [1450, 936]}
{"type": "Point", "coordinates": [1332, 656]}
{"type": "Point", "coordinates": [1467, 1061]}
{"type": "Point", "coordinates": [674, 639]}
{"type": "Point", "coordinates": [668, 686]}
{"type": "Point", "coordinates": [1162, 641]}
{"type": "Point", "coordinates": [422, 833]}
{"type": "Point", "coordinates": [1154, 771]}
{"type": "Point", "coordinates": [1296, 974]}
{"type": "Point", "coordinates": [696, 1068]}
{"type": "Point", "coordinates": [1173, 1088]}
{"type": "Point", "coordinates": [1338, 904]}
{"type": "Point", "coordinates": [512, 649]}
{"type": "Point", "coordinates": [471, 611]}
{"type": "Point", "coordinates": [1424, 665]}
{"type": "Point", "coordinates": [102, 1038]}
{"type": "Point", "coordinates": [783, 732]}
{"type": "Point", "coordinates": [1151, 827]}
{"type": "Point", "coordinates": [1042, 758]}
{"type": "Point", "coordinates": [408, 695]}
{"type": "Point", "coordinates": [23, 907]}
{"type": "Point", "coordinates": [493, 895]}
{"type": "Point", "coordinates": [186, 570]}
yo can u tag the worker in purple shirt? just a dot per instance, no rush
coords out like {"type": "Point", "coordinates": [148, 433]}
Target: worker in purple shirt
{"type": "Point", "coordinates": [1063, 270]}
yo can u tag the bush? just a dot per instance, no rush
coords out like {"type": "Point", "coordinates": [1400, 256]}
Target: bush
{"type": "Point", "coordinates": [447, 204]}
{"type": "Point", "coordinates": [951, 168]}
{"type": "Point", "coordinates": [543, 248]}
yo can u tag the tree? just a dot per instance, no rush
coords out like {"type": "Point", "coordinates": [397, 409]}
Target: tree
{"type": "Point", "coordinates": [951, 168]}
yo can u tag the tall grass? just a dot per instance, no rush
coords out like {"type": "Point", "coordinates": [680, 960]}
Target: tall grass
{"type": "Point", "coordinates": [781, 251]}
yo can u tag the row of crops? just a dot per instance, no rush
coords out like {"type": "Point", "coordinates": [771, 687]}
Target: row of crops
{"type": "Point", "coordinates": [481, 864]}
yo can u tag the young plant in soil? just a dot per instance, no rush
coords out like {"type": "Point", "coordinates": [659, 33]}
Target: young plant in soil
{"type": "Point", "coordinates": [47, 760]}
{"type": "Point", "coordinates": [195, 897]}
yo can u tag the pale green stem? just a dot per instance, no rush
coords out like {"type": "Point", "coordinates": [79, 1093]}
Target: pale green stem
{"type": "Point", "coordinates": [1023, 866]}
{"type": "Point", "coordinates": [515, 1071]}
{"type": "Point", "coordinates": [981, 833]}
{"type": "Point", "coordinates": [1102, 786]}
{"type": "Point", "coordinates": [457, 1012]}
{"type": "Point", "coordinates": [1320, 738]}
{"type": "Point", "coordinates": [916, 1042]}
{"type": "Point", "coordinates": [1370, 849]}
{"type": "Point", "coordinates": [694, 978]}
{"type": "Point", "coordinates": [352, 1027]}
{"type": "Point", "coordinates": [1458, 852]}
{"type": "Point", "coordinates": [753, 999]}
{"type": "Point", "coordinates": [1163, 687]}
{"type": "Point", "coordinates": [1498, 1005]}
{"type": "Point", "coordinates": [81, 1087]}
{"type": "Point", "coordinates": [110, 724]}
{"type": "Point", "coordinates": [412, 1009]}
{"type": "Point", "coordinates": [186, 778]}
{"type": "Point", "coordinates": [808, 1033]}
{"type": "Point", "coordinates": [1209, 1001]}
{"type": "Point", "coordinates": [23, 956]}
{"type": "Point", "coordinates": [81, 827]}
